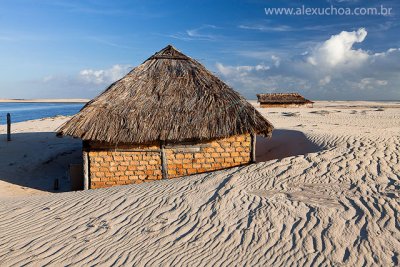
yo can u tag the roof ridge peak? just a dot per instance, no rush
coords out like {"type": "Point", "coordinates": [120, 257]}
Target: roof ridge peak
{"type": "Point", "coordinates": [169, 52]}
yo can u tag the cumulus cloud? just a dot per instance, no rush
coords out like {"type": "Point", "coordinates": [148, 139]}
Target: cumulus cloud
{"type": "Point", "coordinates": [98, 77]}
{"type": "Point", "coordinates": [325, 80]}
{"type": "Point", "coordinates": [338, 50]}
{"type": "Point", "coordinates": [240, 70]}
{"type": "Point", "coordinates": [332, 69]}
{"type": "Point", "coordinates": [85, 83]}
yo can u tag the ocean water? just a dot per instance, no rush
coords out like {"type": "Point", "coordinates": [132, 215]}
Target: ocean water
{"type": "Point", "coordinates": [32, 111]}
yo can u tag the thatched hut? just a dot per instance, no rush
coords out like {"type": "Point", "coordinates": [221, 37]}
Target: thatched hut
{"type": "Point", "coordinates": [283, 100]}
{"type": "Point", "coordinates": [168, 117]}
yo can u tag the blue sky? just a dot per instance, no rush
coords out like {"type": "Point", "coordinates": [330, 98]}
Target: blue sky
{"type": "Point", "coordinates": [73, 49]}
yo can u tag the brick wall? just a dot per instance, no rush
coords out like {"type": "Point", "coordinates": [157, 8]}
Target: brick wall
{"type": "Point", "coordinates": [110, 165]}
{"type": "Point", "coordinates": [221, 154]}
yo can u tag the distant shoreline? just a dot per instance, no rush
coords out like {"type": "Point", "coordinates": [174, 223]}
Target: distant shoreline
{"type": "Point", "coordinates": [46, 100]}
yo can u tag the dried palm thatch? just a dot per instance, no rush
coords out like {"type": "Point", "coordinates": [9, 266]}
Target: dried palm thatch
{"type": "Point", "coordinates": [282, 98]}
{"type": "Point", "coordinates": [170, 97]}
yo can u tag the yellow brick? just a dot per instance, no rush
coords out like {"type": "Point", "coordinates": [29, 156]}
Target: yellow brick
{"type": "Point", "coordinates": [240, 138]}
{"type": "Point", "coordinates": [122, 168]}
{"type": "Point", "coordinates": [98, 159]}
{"type": "Point", "coordinates": [229, 149]}
{"type": "Point", "coordinates": [187, 166]}
{"type": "Point", "coordinates": [94, 169]}
{"type": "Point", "coordinates": [198, 156]}
{"type": "Point", "coordinates": [100, 174]}
{"type": "Point", "coordinates": [225, 144]}
{"type": "Point", "coordinates": [180, 156]}
{"type": "Point", "coordinates": [219, 149]}
{"type": "Point", "coordinates": [196, 165]}
{"type": "Point", "coordinates": [216, 165]}
{"type": "Point", "coordinates": [235, 154]}
{"type": "Point", "coordinates": [215, 144]}
{"type": "Point", "coordinates": [97, 185]}
{"type": "Point", "coordinates": [172, 172]}
{"type": "Point", "coordinates": [108, 158]}
{"type": "Point", "coordinates": [228, 160]}
{"type": "Point", "coordinates": [207, 155]}
{"type": "Point", "coordinates": [215, 155]}
{"type": "Point", "coordinates": [225, 154]}
{"type": "Point", "coordinates": [219, 159]}
{"type": "Point", "coordinates": [238, 159]}
{"type": "Point", "coordinates": [118, 158]}
{"type": "Point", "coordinates": [206, 166]}
{"type": "Point", "coordinates": [244, 154]}
{"type": "Point", "coordinates": [186, 161]}
{"type": "Point", "coordinates": [191, 171]}
{"type": "Point", "coordinates": [132, 167]}
{"type": "Point", "coordinates": [103, 169]}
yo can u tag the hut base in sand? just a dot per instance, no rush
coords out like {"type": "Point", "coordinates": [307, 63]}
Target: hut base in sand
{"type": "Point", "coordinates": [110, 165]}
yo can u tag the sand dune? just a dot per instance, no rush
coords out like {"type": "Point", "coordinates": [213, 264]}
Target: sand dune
{"type": "Point", "coordinates": [328, 196]}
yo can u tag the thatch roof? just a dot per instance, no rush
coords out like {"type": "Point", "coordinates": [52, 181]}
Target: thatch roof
{"type": "Point", "coordinates": [282, 98]}
{"type": "Point", "coordinates": [170, 97]}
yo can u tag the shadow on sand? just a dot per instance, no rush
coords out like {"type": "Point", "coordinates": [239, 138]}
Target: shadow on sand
{"type": "Point", "coordinates": [34, 160]}
{"type": "Point", "coordinates": [284, 143]}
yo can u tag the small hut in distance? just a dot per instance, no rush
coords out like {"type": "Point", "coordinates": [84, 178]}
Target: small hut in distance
{"type": "Point", "coordinates": [283, 100]}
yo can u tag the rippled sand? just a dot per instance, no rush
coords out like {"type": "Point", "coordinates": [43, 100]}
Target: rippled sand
{"type": "Point", "coordinates": [329, 195]}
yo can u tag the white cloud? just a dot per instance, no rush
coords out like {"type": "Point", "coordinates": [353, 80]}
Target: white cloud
{"type": "Point", "coordinates": [106, 76]}
{"type": "Point", "coordinates": [370, 83]}
{"type": "Point", "coordinates": [203, 33]}
{"type": "Point", "coordinates": [338, 50]}
{"type": "Point", "coordinates": [240, 70]}
{"type": "Point", "coordinates": [325, 80]}
{"type": "Point", "coordinates": [276, 60]}
{"type": "Point", "coordinates": [333, 69]}
{"type": "Point", "coordinates": [267, 28]}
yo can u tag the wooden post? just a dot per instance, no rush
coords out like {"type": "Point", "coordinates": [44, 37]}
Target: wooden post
{"type": "Point", "coordinates": [253, 148]}
{"type": "Point", "coordinates": [164, 167]}
{"type": "Point", "coordinates": [85, 155]}
{"type": "Point", "coordinates": [8, 127]}
{"type": "Point", "coordinates": [56, 184]}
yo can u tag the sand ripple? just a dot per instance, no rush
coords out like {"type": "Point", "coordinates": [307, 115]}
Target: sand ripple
{"type": "Point", "coordinates": [339, 206]}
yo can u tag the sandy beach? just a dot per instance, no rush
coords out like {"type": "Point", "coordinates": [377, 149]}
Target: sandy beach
{"type": "Point", "coordinates": [325, 191]}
